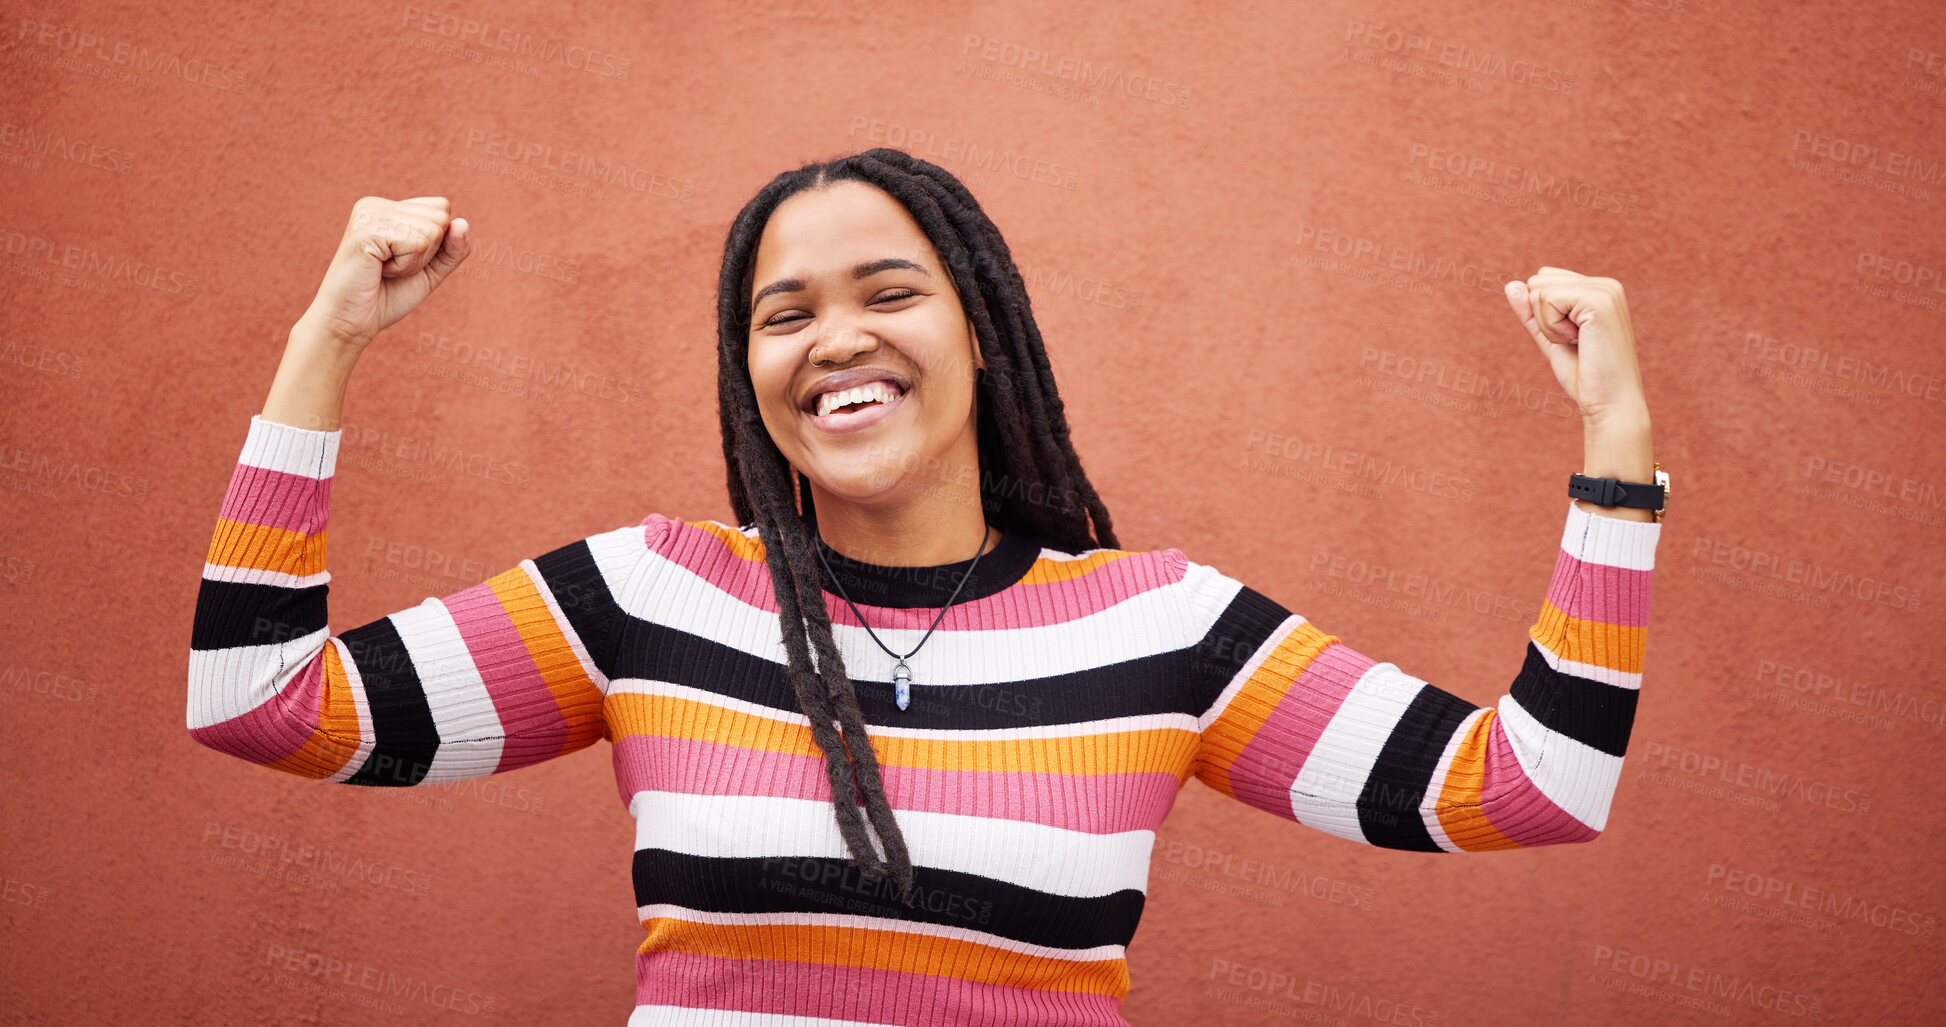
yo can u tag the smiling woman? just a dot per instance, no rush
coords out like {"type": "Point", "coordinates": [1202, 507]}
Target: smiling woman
{"type": "Point", "coordinates": [854, 289]}
{"type": "Point", "coordinates": [962, 833]}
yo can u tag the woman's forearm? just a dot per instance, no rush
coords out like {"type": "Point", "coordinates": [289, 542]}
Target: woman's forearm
{"type": "Point", "coordinates": [309, 389]}
{"type": "Point", "coordinates": [1618, 448]}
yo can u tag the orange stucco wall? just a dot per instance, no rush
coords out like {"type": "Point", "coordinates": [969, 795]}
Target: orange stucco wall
{"type": "Point", "coordinates": [1265, 244]}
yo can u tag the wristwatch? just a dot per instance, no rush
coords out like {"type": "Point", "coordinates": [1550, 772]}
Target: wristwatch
{"type": "Point", "coordinates": [1615, 492]}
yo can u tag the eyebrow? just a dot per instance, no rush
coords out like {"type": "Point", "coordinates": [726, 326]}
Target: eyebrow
{"type": "Point", "coordinates": [865, 270]}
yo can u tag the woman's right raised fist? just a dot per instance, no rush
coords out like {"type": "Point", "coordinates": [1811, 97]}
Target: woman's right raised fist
{"type": "Point", "coordinates": [394, 253]}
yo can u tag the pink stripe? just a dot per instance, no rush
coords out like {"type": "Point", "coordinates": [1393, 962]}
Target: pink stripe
{"type": "Point", "coordinates": [850, 993]}
{"type": "Point", "coordinates": [278, 726]}
{"type": "Point", "coordinates": [1518, 809]}
{"type": "Point", "coordinates": [1600, 592]}
{"type": "Point", "coordinates": [1263, 772]}
{"type": "Point", "coordinates": [535, 726]}
{"type": "Point", "coordinates": [1093, 803]}
{"type": "Point", "coordinates": [274, 499]}
{"type": "Point", "coordinates": [707, 557]}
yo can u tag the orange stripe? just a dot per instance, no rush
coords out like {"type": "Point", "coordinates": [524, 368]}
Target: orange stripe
{"type": "Point", "coordinates": [1049, 572]}
{"type": "Point", "coordinates": [742, 546]}
{"type": "Point", "coordinates": [1153, 750]}
{"type": "Point", "coordinates": [335, 740]}
{"type": "Point", "coordinates": [1465, 823]}
{"type": "Point", "coordinates": [1224, 740]}
{"type": "Point", "coordinates": [1614, 646]}
{"type": "Point", "coordinates": [575, 694]}
{"type": "Point", "coordinates": [876, 949]}
{"type": "Point", "coordinates": [237, 544]}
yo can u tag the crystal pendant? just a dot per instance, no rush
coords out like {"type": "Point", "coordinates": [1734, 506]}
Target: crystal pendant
{"type": "Point", "coordinates": [902, 683]}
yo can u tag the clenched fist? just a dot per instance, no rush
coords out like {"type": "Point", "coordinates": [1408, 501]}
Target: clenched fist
{"type": "Point", "coordinates": [1582, 327]}
{"type": "Point", "coordinates": [393, 254]}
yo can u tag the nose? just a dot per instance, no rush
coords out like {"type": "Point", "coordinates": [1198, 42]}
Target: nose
{"type": "Point", "coordinates": [839, 342]}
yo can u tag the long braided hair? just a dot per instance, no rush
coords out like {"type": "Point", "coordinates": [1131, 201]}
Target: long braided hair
{"type": "Point", "coordinates": [1031, 481]}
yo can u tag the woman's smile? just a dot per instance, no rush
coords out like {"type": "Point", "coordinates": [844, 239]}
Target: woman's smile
{"type": "Point", "coordinates": [851, 418]}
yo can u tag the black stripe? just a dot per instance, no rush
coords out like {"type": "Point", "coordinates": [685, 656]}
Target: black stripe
{"type": "Point", "coordinates": [575, 580]}
{"type": "Point", "coordinates": [404, 737]}
{"type": "Point", "coordinates": [233, 613]}
{"type": "Point", "coordinates": [1594, 713]}
{"type": "Point", "coordinates": [934, 586]}
{"type": "Point", "coordinates": [1388, 805]}
{"type": "Point", "coordinates": [1146, 685]}
{"type": "Point", "coordinates": [1229, 643]}
{"type": "Point", "coordinates": [812, 884]}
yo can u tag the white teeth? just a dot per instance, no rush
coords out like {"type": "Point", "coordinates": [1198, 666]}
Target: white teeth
{"type": "Point", "coordinates": [879, 392]}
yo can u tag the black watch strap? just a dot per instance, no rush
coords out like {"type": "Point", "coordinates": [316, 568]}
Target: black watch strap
{"type": "Point", "coordinates": [1615, 492]}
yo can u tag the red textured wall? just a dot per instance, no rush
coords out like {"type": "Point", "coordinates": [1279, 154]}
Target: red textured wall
{"type": "Point", "coordinates": [1765, 181]}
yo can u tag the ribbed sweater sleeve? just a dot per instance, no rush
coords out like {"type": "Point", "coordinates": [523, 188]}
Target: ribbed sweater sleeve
{"type": "Point", "coordinates": [1302, 725]}
{"type": "Point", "coordinates": [508, 672]}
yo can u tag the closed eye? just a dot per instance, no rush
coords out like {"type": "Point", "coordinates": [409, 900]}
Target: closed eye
{"type": "Point", "coordinates": [901, 294]}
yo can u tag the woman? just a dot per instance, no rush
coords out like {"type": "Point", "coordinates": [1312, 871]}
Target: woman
{"type": "Point", "coordinates": [961, 832]}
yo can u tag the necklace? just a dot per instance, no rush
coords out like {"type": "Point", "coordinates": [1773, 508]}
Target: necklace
{"type": "Point", "coordinates": [902, 674]}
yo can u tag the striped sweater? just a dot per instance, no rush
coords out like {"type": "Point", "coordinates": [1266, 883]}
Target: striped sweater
{"type": "Point", "coordinates": [1056, 712]}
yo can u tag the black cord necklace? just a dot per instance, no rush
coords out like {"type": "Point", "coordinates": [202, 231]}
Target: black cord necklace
{"type": "Point", "coordinates": [902, 674]}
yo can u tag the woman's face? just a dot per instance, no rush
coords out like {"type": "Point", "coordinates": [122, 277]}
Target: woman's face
{"type": "Point", "coordinates": [846, 277]}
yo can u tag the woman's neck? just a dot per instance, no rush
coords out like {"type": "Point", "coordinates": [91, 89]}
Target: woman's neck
{"type": "Point", "coordinates": [939, 528]}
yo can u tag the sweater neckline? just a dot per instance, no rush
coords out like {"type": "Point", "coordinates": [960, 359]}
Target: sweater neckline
{"type": "Point", "coordinates": [871, 584]}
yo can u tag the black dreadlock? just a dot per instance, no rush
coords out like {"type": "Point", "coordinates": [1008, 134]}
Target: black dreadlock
{"type": "Point", "coordinates": [1022, 428]}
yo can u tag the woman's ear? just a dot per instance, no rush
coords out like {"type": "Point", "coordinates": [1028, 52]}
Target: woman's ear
{"type": "Point", "coordinates": [979, 361]}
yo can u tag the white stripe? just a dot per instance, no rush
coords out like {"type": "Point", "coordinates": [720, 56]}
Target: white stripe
{"type": "Point", "coordinates": [1049, 859]}
{"type": "Point", "coordinates": [1146, 624]}
{"type": "Point", "coordinates": [690, 1016]}
{"type": "Point", "coordinates": [619, 556]}
{"type": "Point", "coordinates": [1209, 591]}
{"type": "Point", "coordinates": [1612, 541]}
{"type": "Point", "coordinates": [264, 673]}
{"type": "Point", "coordinates": [1429, 809]}
{"type": "Point", "coordinates": [1325, 794]}
{"type": "Point", "coordinates": [254, 576]}
{"type": "Point", "coordinates": [966, 934]}
{"type": "Point", "coordinates": [1574, 776]}
{"type": "Point", "coordinates": [282, 447]}
{"type": "Point", "coordinates": [229, 682]}
{"type": "Point", "coordinates": [1078, 729]}
{"type": "Point", "coordinates": [470, 731]}
{"type": "Point", "coordinates": [1591, 671]}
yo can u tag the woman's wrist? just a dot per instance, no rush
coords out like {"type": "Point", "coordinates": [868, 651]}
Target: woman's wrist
{"type": "Point", "coordinates": [309, 389]}
{"type": "Point", "coordinates": [1618, 448]}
